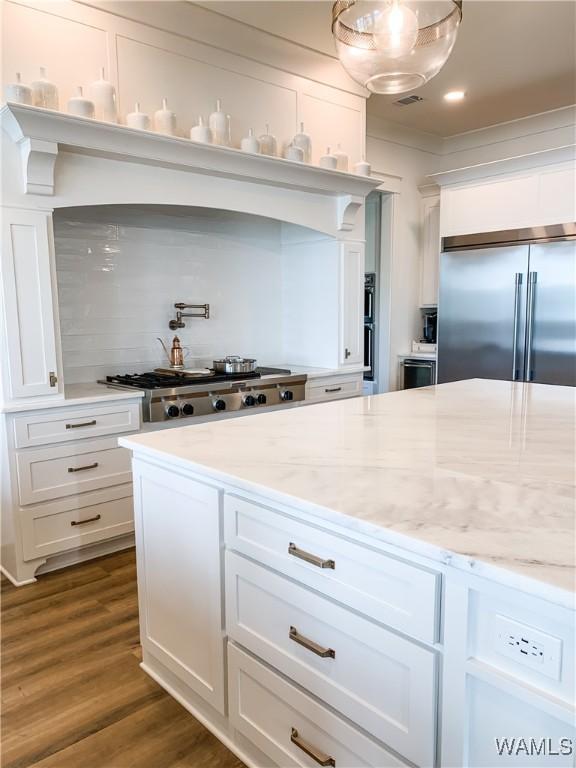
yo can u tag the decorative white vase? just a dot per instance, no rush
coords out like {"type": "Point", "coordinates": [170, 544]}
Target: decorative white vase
{"type": "Point", "coordinates": [17, 92]}
{"type": "Point", "coordinates": [250, 143]}
{"type": "Point", "coordinates": [165, 120]}
{"type": "Point", "coordinates": [294, 153]}
{"type": "Point", "coordinates": [268, 143]}
{"type": "Point", "coordinates": [328, 160]}
{"type": "Point", "coordinates": [44, 92]}
{"type": "Point", "coordinates": [201, 132]}
{"type": "Point", "coordinates": [103, 94]}
{"type": "Point", "coordinates": [219, 124]}
{"type": "Point", "coordinates": [304, 142]}
{"type": "Point", "coordinates": [341, 159]}
{"type": "Point", "coordinates": [363, 168]}
{"type": "Point", "coordinates": [79, 105]}
{"type": "Point", "coordinates": [138, 119]}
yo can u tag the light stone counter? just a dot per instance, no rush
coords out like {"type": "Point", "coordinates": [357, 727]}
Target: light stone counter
{"type": "Point", "coordinates": [75, 394]}
{"type": "Point", "coordinates": [479, 473]}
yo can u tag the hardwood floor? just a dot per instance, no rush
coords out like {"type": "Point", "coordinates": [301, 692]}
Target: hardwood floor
{"type": "Point", "coordinates": [73, 694]}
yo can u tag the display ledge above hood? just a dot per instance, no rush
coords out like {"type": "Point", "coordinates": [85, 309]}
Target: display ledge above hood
{"type": "Point", "coordinates": [42, 134]}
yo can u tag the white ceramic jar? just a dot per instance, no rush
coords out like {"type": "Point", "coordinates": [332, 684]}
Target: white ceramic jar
{"type": "Point", "coordinates": [138, 119]}
{"type": "Point", "coordinates": [304, 142]}
{"type": "Point", "coordinates": [79, 105]}
{"type": "Point", "coordinates": [268, 143]}
{"type": "Point", "coordinates": [341, 159]}
{"type": "Point", "coordinates": [44, 92]}
{"type": "Point", "coordinates": [363, 168]}
{"type": "Point", "coordinates": [165, 120]}
{"type": "Point", "coordinates": [219, 124]}
{"type": "Point", "coordinates": [17, 92]}
{"type": "Point", "coordinates": [201, 132]}
{"type": "Point", "coordinates": [103, 94]}
{"type": "Point", "coordinates": [328, 160]}
{"type": "Point", "coordinates": [250, 143]}
{"type": "Point", "coordinates": [294, 153]}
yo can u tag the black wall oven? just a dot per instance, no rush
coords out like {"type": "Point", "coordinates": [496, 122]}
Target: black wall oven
{"type": "Point", "coordinates": [369, 324]}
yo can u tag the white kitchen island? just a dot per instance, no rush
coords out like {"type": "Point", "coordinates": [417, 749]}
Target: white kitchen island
{"type": "Point", "coordinates": [382, 581]}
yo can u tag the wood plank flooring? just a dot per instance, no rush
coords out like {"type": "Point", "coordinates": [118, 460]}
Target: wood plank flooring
{"type": "Point", "coordinates": [73, 695]}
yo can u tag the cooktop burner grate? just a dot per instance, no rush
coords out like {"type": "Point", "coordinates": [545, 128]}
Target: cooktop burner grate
{"type": "Point", "coordinates": [153, 380]}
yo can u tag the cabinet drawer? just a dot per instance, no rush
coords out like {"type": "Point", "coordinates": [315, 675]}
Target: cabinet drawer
{"type": "Point", "coordinates": [60, 425]}
{"type": "Point", "coordinates": [51, 473]}
{"type": "Point", "coordinates": [267, 710]}
{"type": "Point", "coordinates": [333, 388]}
{"type": "Point", "coordinates": [380, 681]}
{"type": "Point", "coordinates": [386, 589]}
{"type": "Point", "coordinates": [49, 529]}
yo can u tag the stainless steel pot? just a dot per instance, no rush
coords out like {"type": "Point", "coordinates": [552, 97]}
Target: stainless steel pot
{"type": "Point", "coordinates": [234, 364]}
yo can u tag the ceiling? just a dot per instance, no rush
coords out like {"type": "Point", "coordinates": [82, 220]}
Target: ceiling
{"type": "Point", "coordinates": [513, 58]}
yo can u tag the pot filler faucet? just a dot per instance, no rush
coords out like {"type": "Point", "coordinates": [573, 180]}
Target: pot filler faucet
{"type": "Point", "coordinates": [178, 323]}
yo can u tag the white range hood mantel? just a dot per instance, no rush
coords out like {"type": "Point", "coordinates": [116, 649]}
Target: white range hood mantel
{"type": "Point", "coordinates": [41, 134]}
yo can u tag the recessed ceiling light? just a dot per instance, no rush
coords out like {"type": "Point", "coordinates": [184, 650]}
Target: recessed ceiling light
{"type": "Point", "coordinates": [454, 96]}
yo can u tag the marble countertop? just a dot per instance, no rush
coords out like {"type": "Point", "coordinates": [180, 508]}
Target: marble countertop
{"type": "Point", "coordinates": [478, 474]}
{"type": "Point", "coordinates": [75, 394]}
{"type": "Point", "coordinates": [318, 373]}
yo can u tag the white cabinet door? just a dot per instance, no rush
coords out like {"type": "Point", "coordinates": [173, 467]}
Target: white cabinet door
{"type": "Point", "coordinates": [430, 251]}
{"type": "Point", "coordinates": [178, 535]}
{"type": "Point", "coordinates": [351, 303]}
{"type": "Point", "coordinates": [29, 300]}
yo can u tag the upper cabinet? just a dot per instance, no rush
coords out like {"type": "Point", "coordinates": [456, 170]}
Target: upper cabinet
{"type": "Point", "coordinates": [29, 305]}
{"type": "Point", "coordinates": [351, 304]}
{"type": "Point", "coordinates": [529, 199]}
{"type": "Point", "coordinates": [429, 249]}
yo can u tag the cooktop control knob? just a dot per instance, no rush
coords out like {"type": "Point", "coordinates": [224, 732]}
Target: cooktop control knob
{"type": "Point", "coordinates": [249, 400]}
{"type": "Point", "coordinates": [172, 411]}
{"type": "Point", "coordinates": [187, 409]}
{"type": "Point", "coordinates": [261, 399]}
{"type": "Point", "coordinates": [287, 395]}
{"type": "Point", "coordinates": [219, 405]}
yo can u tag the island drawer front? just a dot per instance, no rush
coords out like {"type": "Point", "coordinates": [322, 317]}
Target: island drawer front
{"type": "Point", "coordinates": [266, 709]}
{"type": "Point", "coordinates": [48, 530]}
{"type": "Point", "coordinates": [55, 472]}
{"type": "Point", "coordinates": [382, 682]}
{"type": "Point", "coordinates": [65, 425]}
{"type": "Point", "coordinates": [387, 590]}
{"type": "Point", "coordinates": [334, 387]}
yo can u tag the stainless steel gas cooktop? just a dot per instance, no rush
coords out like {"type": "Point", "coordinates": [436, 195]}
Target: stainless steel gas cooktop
{"type": "Point", "coordinates": [171, 396]}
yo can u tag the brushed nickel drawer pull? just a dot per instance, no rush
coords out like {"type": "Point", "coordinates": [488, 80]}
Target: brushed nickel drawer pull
{"type": "Point", "coordinates": [310, 645]}
{"type": "Point", "coordinates": [334, 389]}
{"type": "Point", "coordinates": [88, 520]}
{"type": "Point", "coordinates": [309, 558]}
{"type": "Point", "coordinates": [83, 424]}
{"type": "Point", "coordinates": [317, 755]}
{"type": "Point", "coordinates": [81, 469]}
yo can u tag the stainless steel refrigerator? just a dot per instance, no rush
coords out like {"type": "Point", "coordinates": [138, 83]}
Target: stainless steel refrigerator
{"type": "Point", "coordinates": [507, 306]}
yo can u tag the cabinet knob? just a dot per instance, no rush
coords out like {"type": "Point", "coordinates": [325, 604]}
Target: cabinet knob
{"type": "Point", "coordinates": [347, 353]}
{"type": "Point", "coordinates": [53, 379]}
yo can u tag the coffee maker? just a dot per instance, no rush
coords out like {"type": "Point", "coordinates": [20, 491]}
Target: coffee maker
{"type": "Point", "coordinates": [429, 324]}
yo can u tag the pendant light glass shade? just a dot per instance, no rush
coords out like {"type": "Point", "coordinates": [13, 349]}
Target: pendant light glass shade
{"type": "Point", "coordinates": [394, 46]}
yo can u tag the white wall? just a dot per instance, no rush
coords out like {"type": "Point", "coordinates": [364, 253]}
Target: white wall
{"type": "Point", "coordinates": [120, 271]}
{"type": "Point", "coordinates": [191, 56]}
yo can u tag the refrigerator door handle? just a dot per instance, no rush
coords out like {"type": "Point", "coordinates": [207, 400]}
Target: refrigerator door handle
{"type": "Point", "coordinates": [532, 277]}
{"type": "Point", "coordinates": [517, 299]}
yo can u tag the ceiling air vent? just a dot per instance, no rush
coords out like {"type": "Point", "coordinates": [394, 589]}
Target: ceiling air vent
{"type": "Point", "coordinates": [408, 100]}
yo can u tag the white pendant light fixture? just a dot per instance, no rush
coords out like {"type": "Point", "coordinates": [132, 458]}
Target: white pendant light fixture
{"type": "Point", "coordinates": [394, 46]}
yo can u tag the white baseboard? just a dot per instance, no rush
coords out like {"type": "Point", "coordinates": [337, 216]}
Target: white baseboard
{"type": "Point", "coordinates": [90, 552]}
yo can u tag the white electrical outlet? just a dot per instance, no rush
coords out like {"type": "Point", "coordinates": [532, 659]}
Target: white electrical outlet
{"type": "Point", "coordinates": [528, 646]}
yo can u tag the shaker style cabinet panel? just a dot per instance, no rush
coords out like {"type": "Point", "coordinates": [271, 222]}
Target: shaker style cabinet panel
{"type": "Point", "coordinates": [430, 251]}
{"type": "Point", "coordinates": [29, 315]}
{"type": "Point", "coordinates": [351, 304]}
{"type": "Point", "coordinates": [177, 523]}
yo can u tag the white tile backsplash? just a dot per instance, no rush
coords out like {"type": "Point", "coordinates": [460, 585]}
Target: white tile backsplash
{"type": "Point", "coordinates": [121, 269]}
